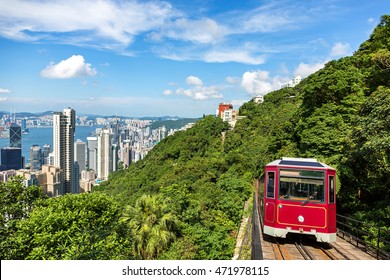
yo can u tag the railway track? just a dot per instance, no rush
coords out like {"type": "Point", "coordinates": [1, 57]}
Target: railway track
{"type": "Point", "coordinates": [296, 250]}
{"type": "Point", "coordinates": [329, 254]}
{"type": "Point", "coordinates": [300, 248]}
{"type": "Point", "coordinates": [304, 250]}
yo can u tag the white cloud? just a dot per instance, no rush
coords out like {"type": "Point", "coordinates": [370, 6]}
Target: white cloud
{"type": "Point", "coordinates": [260, 83]}
{"type": "Point", "coordinates": [194, 81]}
{"type": "Point", "coordinates": [263, 21]}
{"type": "Point", "coordinates": [305, 70]}
{"type": "Point", "coordinates": [340, 49]}
{"type": "Point", "coordinates": [197, 90]}
{"type": "Point", "coordinates": [200, 93]}
{"type": "Point", "coordinates": [3, 99]}
{"type": "Point", "coordinates": [4, 90]}
{"type": "Point", "coordinates": [113, 23]}
{"type": "Point", "coordinates": [245, 55]}
{"type": "Point", "coordinates": [72, 67]}
{"type": "Point", "coordinates": [168, 92]}
{"type": "Point", "coordinates": [203, 31]}
{"type": "Point", "coordinates": [270, 16]}
{"type": "Point", "coordinates": [242, 56]}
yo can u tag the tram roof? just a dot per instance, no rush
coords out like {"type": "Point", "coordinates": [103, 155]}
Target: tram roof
{"type": "Point", "coordinates": [303, 162]}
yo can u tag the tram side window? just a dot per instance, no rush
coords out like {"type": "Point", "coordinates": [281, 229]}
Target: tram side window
{"type": "Point", "coordinates": [271, 184]}
{"type": "Point", "coordinates": [332, 189]}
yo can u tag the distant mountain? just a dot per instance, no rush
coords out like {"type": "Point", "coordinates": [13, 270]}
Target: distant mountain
{"type": "Point", "coordinates": [27, 114]}
{"type": "Point", "coordinates": [92, 116]}
{"type": "Point", "coordinates": [164, 118]}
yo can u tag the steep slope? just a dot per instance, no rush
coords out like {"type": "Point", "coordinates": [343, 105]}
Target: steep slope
{"type": "Point", "coordinates": [190, 171]}
{"type": "Point", "coordinates": [338, 115]}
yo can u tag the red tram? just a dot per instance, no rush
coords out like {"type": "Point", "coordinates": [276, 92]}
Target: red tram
{"type": "Point", "coordinates": [300, 197]}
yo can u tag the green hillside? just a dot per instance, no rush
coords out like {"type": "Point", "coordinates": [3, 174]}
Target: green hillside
{"type": "Point", "coordinates": [205, 193]}
{"type": "Point", "coordinates": [172, 124]}
{"type": "Point", "coordinates": [185, 199]}
{"type": "Point", "coordinates": [339, 115]}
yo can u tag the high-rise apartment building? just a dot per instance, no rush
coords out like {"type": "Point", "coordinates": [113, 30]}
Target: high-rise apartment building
{"type": "Point", "coordinates": [64, 126]}
{"type": "Point", "coordinates": [80, 154]}
{"type": "Point", "coordinates": [125, 154]}
{"type": "Point", "coordinates": [15, 136]}
{"type": "Point", "coordinates": [92, 152]}
{"type": "Point", "coordinates": [35, 158]}
{"type": "Point", "coordinates": [115, 158]}
{"type": "Point", "coordinates": [104, 154]}
{"type": "Point", "coordinates": [50, 159]}
{"type": "Point", "coordinates": [45, 153]}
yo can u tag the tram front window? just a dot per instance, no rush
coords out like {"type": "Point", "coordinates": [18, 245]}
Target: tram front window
{"type": "Point", "coordinates": [301, 188]}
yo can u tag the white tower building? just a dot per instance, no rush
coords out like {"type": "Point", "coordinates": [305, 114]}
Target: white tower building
{"type": "Point", "coordinates": [64, 126]}
{"type": "Point", "coordinates": [104, 154]}
{"type": "Point", "coordinates": [92, 152]}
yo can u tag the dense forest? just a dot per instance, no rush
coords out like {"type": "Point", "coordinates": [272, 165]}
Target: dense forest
{"type": "Point", "coordinates": [172, 124]}
{"type": "Point", "coordinates": [185, 199]}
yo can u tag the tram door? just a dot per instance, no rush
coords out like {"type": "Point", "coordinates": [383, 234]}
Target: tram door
{"type": "Point", "coordinates": [269, 196]}
{"type": "Point", "coordinates": [332, 201]}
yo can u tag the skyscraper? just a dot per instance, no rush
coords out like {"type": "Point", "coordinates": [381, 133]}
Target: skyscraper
{"type": "Point", "coordinates": [125, 154]}
{"type": "Point", "coordinates": [45, 153]}
{"type": "Point", "coordinates": [80, 155]}
{"type": "Point", "coordinates": [35, 158]}
{"type": "Point", "coordinates": [92, 152]}
{"type": "Point", "coordinates": [115, 159]}
{"type": "Point", "coordinates": [64, 126]}
{"type": "Point", "coordinates": [15, 136]}
{"type": "Point", "coordinates": [24, 125]}
{"type": "Point", "coordinates": [104, 154]}
{"type": "Point", "coordinates": [11, 158]}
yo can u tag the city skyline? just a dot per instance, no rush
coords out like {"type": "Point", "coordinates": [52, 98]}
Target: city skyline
{"type": "Point", "coordinates": [156, 58]}
{"type": "Point", "coordinates": [119, 142]}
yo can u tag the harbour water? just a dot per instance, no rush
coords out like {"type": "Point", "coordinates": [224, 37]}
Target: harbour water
{"type": "Point", "coordinates": [44, 135]}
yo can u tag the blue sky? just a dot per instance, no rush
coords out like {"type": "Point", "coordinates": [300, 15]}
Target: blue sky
{"type": "Point", "coordinates": [155, 58]}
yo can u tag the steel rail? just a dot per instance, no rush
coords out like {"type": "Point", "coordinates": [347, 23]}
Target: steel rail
{"type": "Point", "coordinates": [339, 251]}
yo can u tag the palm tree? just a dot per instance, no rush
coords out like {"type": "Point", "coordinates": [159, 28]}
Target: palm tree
{"type": "Point", "coordinates": [153, 225]}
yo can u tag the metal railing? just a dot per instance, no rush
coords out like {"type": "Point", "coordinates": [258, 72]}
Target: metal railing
{"type": "Point", "coordinates": [257, 253]}
{"type": "Point", "coordinates": [371, 239]}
